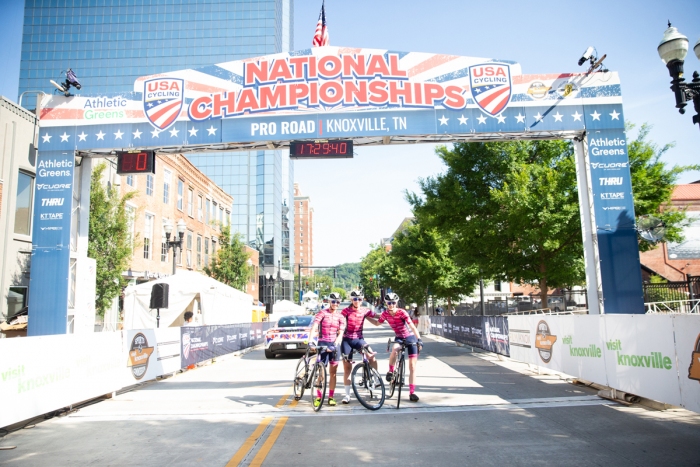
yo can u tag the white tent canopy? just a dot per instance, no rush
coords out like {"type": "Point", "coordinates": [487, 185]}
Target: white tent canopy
{"type": "Point", "coordinates": [309, 295]}
{"type": "Point", "coordinates": [286, 308]}
{"type": "Point", "coordinates": [189, 291]}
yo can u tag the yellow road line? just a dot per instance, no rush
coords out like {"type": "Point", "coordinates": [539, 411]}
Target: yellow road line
{"type": "Point", "coordinates": [241, 453]}
{"type": "Point", "coordinates": [284, 398]}
{"type": "Point", "coordinates": [269, 442]}
{"type": "Point", "coordinates": [293, 403]}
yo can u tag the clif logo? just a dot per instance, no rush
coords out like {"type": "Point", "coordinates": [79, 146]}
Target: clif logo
{"type": "Point", "coordinates": [544, 341]}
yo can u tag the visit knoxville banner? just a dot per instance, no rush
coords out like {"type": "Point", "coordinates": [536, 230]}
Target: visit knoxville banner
{"type": "Point", "coordinates": [46, 373]}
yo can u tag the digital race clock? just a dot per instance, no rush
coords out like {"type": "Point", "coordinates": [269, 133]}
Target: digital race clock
{"type": "Point", "coordinates": [136, 162]}
{"type": "Point", "coordinates": [321, 149]}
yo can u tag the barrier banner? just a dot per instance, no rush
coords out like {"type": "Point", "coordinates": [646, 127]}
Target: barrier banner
{"type": "Point", "coordinates": [687, 334]}
{"type": "Point", "coordinates": [206, 342]}
{"type": "Point", "coordinates": [485, 332]}
{"type": "Point", "coordinates": [152, 352]}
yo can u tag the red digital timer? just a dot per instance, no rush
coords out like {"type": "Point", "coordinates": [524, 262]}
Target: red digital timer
{"type": "Point", "coordinates": [136, 162]}
{"type": "Point", "coordinates": [320, 149]}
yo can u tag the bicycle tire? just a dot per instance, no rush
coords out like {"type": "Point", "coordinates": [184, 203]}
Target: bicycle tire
{"type": "Point", "coordinates": [392, 385]}
{"type": "Point", "coordinates": [361, 379]}
{"type": "Point", "coordinates": [400, 379]}
{"type": "Point", "coordinates": [299, 383]}
{"type": "Point", "coordinates": [320, 377]}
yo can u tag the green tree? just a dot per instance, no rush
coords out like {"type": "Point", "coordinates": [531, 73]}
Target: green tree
{"type": "Point", "coordinates": [230, 265]}
{"type": "Point", "coordinates": [109, 240]}
{"type": "Point", "coordinates": [509, 210]}
{"type": "Point", "coordinates": [653, 183]}
{"type": "Point", "coordinates": [347, 274]}
{"type": "Point", "coordinates": [376, 270]}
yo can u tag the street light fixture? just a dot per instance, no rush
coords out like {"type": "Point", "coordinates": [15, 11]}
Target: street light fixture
{"type": "Point", "coordinates": [672, 50]}
{"type": "Point", "coordinates": [174, 244]}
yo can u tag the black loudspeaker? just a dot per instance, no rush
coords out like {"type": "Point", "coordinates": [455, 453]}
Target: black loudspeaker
{"type": "Point", "coordinates": [159, 296]}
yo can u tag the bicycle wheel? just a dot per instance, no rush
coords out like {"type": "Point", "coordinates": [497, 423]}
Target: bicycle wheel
{"type": "Point", "coordinates": [399, 383]}
{"type": "Point", "coordinates": [320, 381]}
{"type": "Point", "coordinates": [300, 378]}
{"type": "Point", "coordinates": [364, 381]}
{"type": "Point", "coordinates": [392, 384]}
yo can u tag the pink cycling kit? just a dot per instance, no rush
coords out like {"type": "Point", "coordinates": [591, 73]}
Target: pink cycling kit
{"type": "Point", "coordinates": [356, 320]}
{"type": "Point", "coordinates": [398, 322]}
{"type": "Point", "coordinates": [328, 325]}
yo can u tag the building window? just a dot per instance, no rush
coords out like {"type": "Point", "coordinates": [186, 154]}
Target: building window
{"type": "Point", "coordinates": [206, 252]}
{"type": "Point", "coordinates": [148, 236]}
{"type": "Point", "coordinates": [221, 216]}
{"type": "Point", "coordinates": [190, 202]}
{"type": "Point", "coordinates": [164, 251]}
{"type": "Point", "coordinates": [180, 193]}
{"type": "Point", "coordinates": [207, 210]}
{"type": "Point", "coordinates": [213, 211]}
{"type": "Point", "coordinates": [189, 249]}
{"type": "Point", "coordinates": [166, 186]}
{"type": "Point", "coordinates": [130, 180]}
{"type": "Point", "coordinates": [23, 209]}
{"type": "Point", "coordinates": [199, 208]}
{"type": "Point", "coordinates": [199, 251]}
{"type": "Point", "coordinates": [497, 285]}
{"type": "Point", "coordinates": [149, 185]}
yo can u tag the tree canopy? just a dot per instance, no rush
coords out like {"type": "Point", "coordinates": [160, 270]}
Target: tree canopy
{"type": "Point", "coordinates": [230, 264]}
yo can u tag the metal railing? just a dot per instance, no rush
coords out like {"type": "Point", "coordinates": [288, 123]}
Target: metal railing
{"type": "Point", "coordinates": [547, 311]}
{"type": "Point", "coordinates": [673, 307]}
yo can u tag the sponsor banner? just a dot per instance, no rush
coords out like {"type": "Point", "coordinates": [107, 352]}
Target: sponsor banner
{"type": "Point", "coordinates": [686, 329]}
{"type": "Point", "coordinates": [152, 352]}
{"type": "Point", "coordinates": [206, 342]}
{"type": "Point", "coordinates": [485, 332]}
{"type": "Point", "coordinates": [53, 199]}
{"type": "Point", "coordinates": [47, 373]}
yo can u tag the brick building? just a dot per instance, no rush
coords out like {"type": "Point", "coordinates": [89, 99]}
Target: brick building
{"type": "Point", "coordinates": [178, 190]}
{"type": "Point", "coordinates": [304, 231]}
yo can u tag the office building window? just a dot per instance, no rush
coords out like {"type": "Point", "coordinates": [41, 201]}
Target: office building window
{"type": "Point", "coordinates": [148, 236]}
{"type": "Point", "coordinates": [149, 185]}
{"type": "Point", "coordinates": [199, 208]}
{"type": "Point", "coordinates": [190, 201]}
{"type": "Point", "coordinates": [167, 175]}
{"type": "Point", "coordinates": [180, 193]}
{"type": "Point", "coordinates": [199, 251]}
{"type": "Point", "coordinates": [23, 209]}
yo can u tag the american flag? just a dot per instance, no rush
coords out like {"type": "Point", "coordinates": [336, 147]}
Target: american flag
{"type": "Point", "coordinates": [321, 35]}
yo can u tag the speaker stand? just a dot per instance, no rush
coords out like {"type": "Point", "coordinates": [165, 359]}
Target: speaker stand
{"type": "Point", "coordinates": [158, 317]}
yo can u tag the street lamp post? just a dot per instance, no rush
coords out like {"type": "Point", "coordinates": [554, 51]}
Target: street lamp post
{"type": "Point", "coordinates": [672, 50]}
{"type": "Point", "coordinates": [174, 244]}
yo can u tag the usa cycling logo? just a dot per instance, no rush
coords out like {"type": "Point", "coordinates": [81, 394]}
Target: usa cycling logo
{"type": "Point", "coordinates": [162, 100]}
{"type": "Point", "coordinates": [491, 86]}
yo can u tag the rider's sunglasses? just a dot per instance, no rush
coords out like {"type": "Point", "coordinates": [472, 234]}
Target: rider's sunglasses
{"type": "Point", "coordinates": [335, 302]}
{"type": "Point", "coordinates": [356, 299]}
{"type": "Point", "coordinates": [389, 302]}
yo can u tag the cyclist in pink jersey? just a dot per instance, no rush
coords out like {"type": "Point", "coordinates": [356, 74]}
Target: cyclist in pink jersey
{"type": "Point", "coordinates": [405, 332]}
{"type": "Point", "coordinates": [353, 339]}
{"type": "Point", "coordinates": [329, 326]}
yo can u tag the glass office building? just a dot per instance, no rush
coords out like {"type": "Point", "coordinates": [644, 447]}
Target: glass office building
{"type": "Point", "coordinates": [110, 43]}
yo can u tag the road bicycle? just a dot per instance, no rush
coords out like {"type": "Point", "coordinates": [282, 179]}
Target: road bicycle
{"type": "Point", "coordinates": [397, 377]}
{"type": "Point", "coordinates": [311, 375]}
{"type": "Point", "coordinates": [366, 382]}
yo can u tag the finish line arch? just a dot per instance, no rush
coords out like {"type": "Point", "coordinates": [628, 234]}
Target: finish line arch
{"type": "Point", "coordinates": [374, 97]}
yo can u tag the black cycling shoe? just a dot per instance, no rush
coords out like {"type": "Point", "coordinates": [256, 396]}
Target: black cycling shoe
{"type": "Point", "coordinates": [390, 376]}
{"type": "Point", "coordinates": [413, 398]}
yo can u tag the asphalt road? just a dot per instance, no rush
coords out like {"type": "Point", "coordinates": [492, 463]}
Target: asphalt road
{"type": "Point", "coordinates": [475, 409]}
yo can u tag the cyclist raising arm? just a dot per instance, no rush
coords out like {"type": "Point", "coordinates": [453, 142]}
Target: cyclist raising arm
{"type": "Point", "coordinates": [353, 338]}
{"type": "Point", "coordinates": [329, 326]}
{"type": "Point", "coordinates": [406, 332]}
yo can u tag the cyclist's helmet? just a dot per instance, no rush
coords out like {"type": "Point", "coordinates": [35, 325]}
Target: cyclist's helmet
{"type": "Point", "coordinates": [391, 297]}
{"type": "Point", "coordinates": [333, 296]}
{"type": "Point", "coordinates": [356, 293]}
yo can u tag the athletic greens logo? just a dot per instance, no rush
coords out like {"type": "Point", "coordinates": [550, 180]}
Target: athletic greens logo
{"type": "Point", "coordinates": [652, 360]}
{"type": "Point", "coordinates": [589, 351]}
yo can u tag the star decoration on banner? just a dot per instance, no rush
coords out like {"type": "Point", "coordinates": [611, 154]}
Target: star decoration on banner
{"type": "Point", "coordinates": [100, 136]}
{"type": "Point", "coordinates": [174, 132]}
{"type": "Point", "coordinates": [557, 117]}
{"type": "Point", "coordinates": [82, 136]}
{"type": "Point", "coordinates": [577, 116]}
{"type": "Point", "coordinates": [501, 119]}
{"type": "Point", "coordinates": [481, 119]}
{"type": "Point", "coordinates": [46, 138]}
{"type": "Point", "coordinates": [137, 134]}
{"type": "Point", "coordinates": [443, 120]}
{"type": "Point", "coordinates": [193, 131]}
{"type": "Point", "coordinates": [462, 120]}
{"type": "Point", "coordinates": [615, 115]}
{"type": "Point", "coordinates": [155, 133]}
{"type": "Point", "coordinates": [520, 118]}
{"type": "Point", "coordinates": [118, 134]}
{"type": "Point", "coordinates": [595, 115]}
{"type": "Point", "coordinates": [64, 137]}
{"type": "Point", "coordinates": [211, 130]}
{"type": "Point", "coordinates": [150, 104]}
{"type": "Point", "coordinates": [538, 117]}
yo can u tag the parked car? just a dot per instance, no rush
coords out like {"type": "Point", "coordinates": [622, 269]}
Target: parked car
{"type": "Point", "coordinates": [291, 335]}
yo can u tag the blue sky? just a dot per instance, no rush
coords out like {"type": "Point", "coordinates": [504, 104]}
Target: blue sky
{"type": "Point", "coordinates": [358, 201]}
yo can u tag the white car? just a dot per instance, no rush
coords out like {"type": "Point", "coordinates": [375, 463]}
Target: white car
{"type": "Point", "coordinates": [291, 335]}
